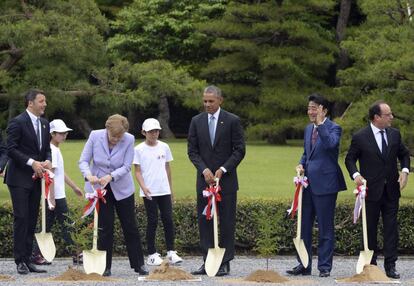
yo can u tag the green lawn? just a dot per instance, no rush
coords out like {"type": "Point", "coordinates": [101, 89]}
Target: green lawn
{"type": "Point", "coordinates": [266, 172]}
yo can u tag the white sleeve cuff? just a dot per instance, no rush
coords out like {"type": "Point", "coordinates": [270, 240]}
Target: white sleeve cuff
{"type": "Point", "coordinates": [223, 169]}
{"type": "Point", "coordinates": [30, 162]}
{"type": "Point", "coordinates": [356, 174]}
{"type": "Point", "coordinates": [405, 170]}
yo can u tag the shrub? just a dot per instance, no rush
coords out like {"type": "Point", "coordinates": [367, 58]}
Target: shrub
{"type": "Point", "coordinates": [348, 235]}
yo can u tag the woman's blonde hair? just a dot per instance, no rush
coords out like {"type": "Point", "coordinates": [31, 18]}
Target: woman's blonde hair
{"type": "Point", "coordinates": [117, 124]}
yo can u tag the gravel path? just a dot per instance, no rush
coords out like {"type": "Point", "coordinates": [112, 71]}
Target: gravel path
{"type": "Point", "coordinates": [241, 266]}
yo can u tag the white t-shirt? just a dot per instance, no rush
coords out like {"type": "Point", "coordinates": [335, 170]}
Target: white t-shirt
{"type": "Point", "coordinates": [151, 160]}
{"type": "Point", "coordinates": [59, 171]}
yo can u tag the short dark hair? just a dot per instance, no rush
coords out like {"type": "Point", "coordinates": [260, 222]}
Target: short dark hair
{"type": "Point", "coordinates": [214, 90]}
{"type": "Point", "coordinates": [319, 99]}
{"type": "Point", "coordinates": [31, 95]}
{"type": "Point", "coordinates": [375, 109]}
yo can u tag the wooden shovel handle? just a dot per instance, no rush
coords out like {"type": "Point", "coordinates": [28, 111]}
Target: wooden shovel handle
{"type": "Point", "coordinates": [364, 222]}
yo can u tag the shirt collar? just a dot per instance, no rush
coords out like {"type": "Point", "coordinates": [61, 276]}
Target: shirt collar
{"type": "Point", "coordinates": [216, 114]}
{"type": "Point", "coordinates": [32, 116]}
{"type": "Point", "coordinates": [375, 129]}
{"type": "Point", "coordinates": [316, 126]}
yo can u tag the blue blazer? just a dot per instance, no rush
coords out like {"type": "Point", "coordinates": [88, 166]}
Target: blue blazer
{"type": "Point", "coordinates": [321, 160]}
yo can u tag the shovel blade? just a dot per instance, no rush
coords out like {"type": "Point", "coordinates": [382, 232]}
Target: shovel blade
{"type": "Point", "coordinates": [213, 260]}
{"type": "Point", "coordinates": [46, 245]}
{"type": "Point", "coordinates": [364, 259]}
{"type": "Point", "coordinates": [94, 261]}
{"type": "Point", "coordinates": [301, 250]}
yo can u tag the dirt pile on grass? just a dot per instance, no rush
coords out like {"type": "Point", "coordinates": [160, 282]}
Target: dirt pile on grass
{"type": "Point", "coordinates": [266, 276]}
{"type": "Point", "coordinates": [168, 273]}
{"type": "Point", "coordinates": [77, 275]}
{"type": "Point", "coordinates": [371, 273]}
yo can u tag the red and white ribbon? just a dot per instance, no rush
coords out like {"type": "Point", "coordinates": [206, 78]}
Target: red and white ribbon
{"type": "Point", "coordinates": [212, 193]}
{"type": "Point", "coordinates": [48, 176]}
{"type": "Point", "coordinates": [299, 181]}
{"type": "Point", "coordinates": [93, 198]}
{"type": "Point", "coordinates": [361, 193]}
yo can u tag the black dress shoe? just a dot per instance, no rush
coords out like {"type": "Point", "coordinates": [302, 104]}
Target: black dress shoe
{"type": "Point", "coordinates": [33, 268]}
{"type": "Point", "coordinates": [107, 272]}
{"type": "Point", "coordinates": [22, 268]}
{"type": "Point", "coordinates": [142, 270]}
{"type": "Point", "coordinates": [324, 273]}
{"type": "Point", "coordinates": [223, 270]}
{"type": "Point", "coordinates": [199, 271]}
{"type": "Point", "coordinates": [392, 273]}
{"type": "Point", "coordinates": [299, 270]}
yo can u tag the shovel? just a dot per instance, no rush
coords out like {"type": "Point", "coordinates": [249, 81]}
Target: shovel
{"type": "Point", "coordinates": [298, 241]}
{"type": "Point", "coordinates": [215, 255]}
{"type": "Point", "coordinates": [44, 239]}
{"type": "Point", "coordinates": [365, 256]}
{"type": "Point", "coordinates": [94, 260]}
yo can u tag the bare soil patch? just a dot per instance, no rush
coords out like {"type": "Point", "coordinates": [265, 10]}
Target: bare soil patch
{"type": "Point", "coordinates": [76, 275]}
{"type": "Point", "coordinates": [165, 272]}
{"type": "Point", "coordinates": [371, 273]}
{"type": "Point", "coordinates": [268, 276]}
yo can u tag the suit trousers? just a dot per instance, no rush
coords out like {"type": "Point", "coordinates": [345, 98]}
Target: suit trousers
{"type": "Point", "coordinates": [321, 207]}
{"type": "Point", "coordinates": [125, 210]}
{"type": "Point", "coordinates": [227, 224]}
{"type": "Point", "coordinates": [151, 206]}
{"type": "Point", "coordinates": [389, 210]}
{"type": "Point", "coordinates": [25, 211]}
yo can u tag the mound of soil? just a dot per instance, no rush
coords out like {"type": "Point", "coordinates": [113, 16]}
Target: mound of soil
{"type": "Point", "coordinates": [5, 278]}
{"type": "Point", "coordinates": [370, 273]}
{"type": "Point", "coordinates": [77, 275]}
{"type": "Point", "coordinates": [266, 276]}
{"type": "Point", "coordinates": [166, 272]}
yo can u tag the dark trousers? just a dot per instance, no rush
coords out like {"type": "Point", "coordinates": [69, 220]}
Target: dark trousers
{"type": "Point", "coordinates": [59, 213]}
{"type": "Point", "coordinates": [25, 211]}
{"type": "Point", "coordinates": [227, 224]}
{"type": "Point", "coordinates": [125, 210]}
{"type": "Point", "coordinates": [389, 210]}
{"type": "Point", "coordinates": [323, 208]}
{"type": "Point", "coordinates": [163, 203]}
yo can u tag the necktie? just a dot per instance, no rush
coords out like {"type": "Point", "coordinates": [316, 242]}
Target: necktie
{"type": "Point", "coordinates": [38, 133]}
{"type": "Point", "coordinates": [383, 143]}
{"type": "Point", "coordinates": [211, 129]}
{"type": "Point", "coordinates": [314, 136]}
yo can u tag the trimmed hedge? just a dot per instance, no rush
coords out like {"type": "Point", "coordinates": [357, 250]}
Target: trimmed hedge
{"type": "Point", "coordinates": [348, 235]}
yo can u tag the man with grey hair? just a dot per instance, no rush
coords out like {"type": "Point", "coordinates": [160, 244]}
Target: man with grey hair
{"type": "Point", "coordinates": [216, 147]}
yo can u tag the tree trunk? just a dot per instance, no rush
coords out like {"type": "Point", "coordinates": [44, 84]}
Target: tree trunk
{"type": "Point", "coordinates": [343, 57]}
{"type": "Point", "coordinates": [82, 126]}
{"type": "Point", "coordinates": [164, 117]}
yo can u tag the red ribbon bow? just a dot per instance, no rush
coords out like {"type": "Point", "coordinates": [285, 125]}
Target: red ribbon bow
{"type": "Point", "coordinates": [48, 182]}
{"type": "Point", "coordinates": [94, 198]}
{"type": "Point", "coordinates": [299, 181]}
{"type": "Point", "coordinates": [211, 192]}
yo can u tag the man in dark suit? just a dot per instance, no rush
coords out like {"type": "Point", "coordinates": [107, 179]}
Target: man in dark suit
{"type": "Point", "coordinates": [216, 147]}
{"type": "Point", "coordinates": [319, 163]}
{"type": "Point", "coordinates": [3, 156]}
{"type": "Point", "coordinates": [378, 147]}
{"type": "Point", "coordinates": [29, 154]}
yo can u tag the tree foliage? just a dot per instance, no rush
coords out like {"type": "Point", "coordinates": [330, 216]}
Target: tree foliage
{"type": "Point", "coordinates": [272, 54]}
{"type": "Point", "coordinates": [382, 51]}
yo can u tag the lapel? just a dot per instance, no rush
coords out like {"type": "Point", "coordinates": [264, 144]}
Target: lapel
{"type": "Point", "coordinates": [30, 127]}
{"type": "Point", "coordinates": [309, 140]}
{"type": "Point", "coordinates": [45, 135]}
{"type": "Point", "coordinates": [219, 127]}
{"type": "Point", "coordinates": [373, 143]}
{"type": "Point", "coordinates": [389, 141]}
{"type": "Point", "coordinates": [117, 147]}
{"type": "Point", "coordinates": [104, 142]}
{"type": "Point", "coordinates": [204, 128]}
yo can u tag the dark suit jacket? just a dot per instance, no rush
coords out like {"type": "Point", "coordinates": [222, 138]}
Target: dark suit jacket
{"type": "Point", "coordinates": [320, 161]}
{"type": "Point", "coordinates": [374, 167]}
{"type": "Point", "coordinates": [21, 146]}
{"type": "Point", "coordinates": [3, 154]}
{"type": "Point", "coordinates": [228, 149]}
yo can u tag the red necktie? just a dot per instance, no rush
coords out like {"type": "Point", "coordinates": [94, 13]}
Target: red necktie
{"type": "Point", "coordinates": [314, 136]}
